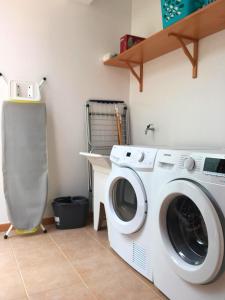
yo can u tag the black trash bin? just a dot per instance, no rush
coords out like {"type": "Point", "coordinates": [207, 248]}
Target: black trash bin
{"type": "Point", "coordinates": [70, 212]}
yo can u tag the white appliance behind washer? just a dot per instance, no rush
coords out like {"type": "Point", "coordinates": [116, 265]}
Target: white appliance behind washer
{"type": "Point", "coordinates": [128, 205]}
{"type": "Point", "coordinates": [189, 210]}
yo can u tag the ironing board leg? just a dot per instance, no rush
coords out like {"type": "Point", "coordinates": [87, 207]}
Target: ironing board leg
{"type": "Point", "coordinates": [43, 228]}
{"type": "Point", "coordinates": [8, 232]}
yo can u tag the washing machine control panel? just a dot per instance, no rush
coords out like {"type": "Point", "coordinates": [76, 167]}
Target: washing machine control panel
{"type": "Point", "coordinates": [134, 157]}
{"type": "Point", "coordinates": [195, 165]}
{"type": "Point", "coordinates": [209, 167]}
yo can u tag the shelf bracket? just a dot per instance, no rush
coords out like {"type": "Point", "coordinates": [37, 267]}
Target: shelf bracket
{"type": "Point", "coordinates": [139, 76]}
{"type": "Point", "coordinates": [192, 57]}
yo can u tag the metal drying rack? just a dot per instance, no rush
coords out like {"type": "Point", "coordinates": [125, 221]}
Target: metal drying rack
{"type": "Point", "coordinates": [102, 132]}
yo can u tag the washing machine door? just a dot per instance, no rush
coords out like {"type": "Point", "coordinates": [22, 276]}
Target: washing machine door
{"type": "Point", "coordinates": [191, 231]}
{"type": "Point", "coordinates": [126, 202]}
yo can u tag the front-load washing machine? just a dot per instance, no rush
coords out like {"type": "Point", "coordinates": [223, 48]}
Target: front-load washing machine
{"type": "Point", "coordinates": [128, 206]}
{"type": "Point", "coordinates": [189, 210]}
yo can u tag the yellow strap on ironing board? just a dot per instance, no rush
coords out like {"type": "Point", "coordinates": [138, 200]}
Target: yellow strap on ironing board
{"type": "Point", "coordinates": [28, 231]}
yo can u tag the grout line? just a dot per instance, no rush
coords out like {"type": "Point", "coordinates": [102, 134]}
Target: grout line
{"type": "Point", "coordinates": [18, 269]}
{"type": "Point", "coordinates": [143, 280]}
{"type": "Point", "coordinates": [103, 245]}
{"type": "Point", "coordinates": [97, 240]}
{"type": "Point", "coordinates": [73, 267]}
{"type": "Point", "coordinates": [130, 269]}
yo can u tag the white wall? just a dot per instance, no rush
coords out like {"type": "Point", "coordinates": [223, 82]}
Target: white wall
{"type": "Point", "coordinates": [185, 111]}
{"type": "Point", "coordinates": [64, 41]}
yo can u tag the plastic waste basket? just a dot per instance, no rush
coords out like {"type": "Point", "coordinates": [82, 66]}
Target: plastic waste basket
{"type": "Point", "coordinates": [70, 212]}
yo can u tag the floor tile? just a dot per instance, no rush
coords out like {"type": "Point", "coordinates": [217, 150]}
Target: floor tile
{"type": "Point", "coordinates": [30, 242]}
{"type": "Point", "coordinates": [11, 286]}
{"type": "Point", "coordinates": [73, 292]}
{"type": "Point", "coordinates": [68, 265]}
{"type": "Point", "coordinates": [99, 266]}
{"type": "Point", "coordinates": [122, 286]}
{"type": "Point", "coordinates": [62, 236]}
{"type": "Point", "coordinates": [40, 256]}
{"type": "Point", "coordinates": [51, 276]}
{"type": "Point", "coordinates": [83, 247]}
{"type": "Point", "coordinates": [101, 235]}
{"type": "Point", "coordinates": [149, 284]}
{"type": "Point", "coordinates": [7, 262]}
{"type": "Point", "coordinates": [5, 245]}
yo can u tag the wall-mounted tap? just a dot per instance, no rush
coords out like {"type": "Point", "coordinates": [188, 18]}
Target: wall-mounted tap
{"type": "Point", "coordinates": [149, 127]}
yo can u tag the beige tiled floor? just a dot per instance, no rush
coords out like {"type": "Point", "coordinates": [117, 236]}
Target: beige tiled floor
{"type": "Point", "coordinates": [68, 265]}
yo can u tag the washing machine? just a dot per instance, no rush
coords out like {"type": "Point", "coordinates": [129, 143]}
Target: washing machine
{"type": "Point", "coordinates": [189, 209]}
{"type": "Point", "coordinates": [128, 206]}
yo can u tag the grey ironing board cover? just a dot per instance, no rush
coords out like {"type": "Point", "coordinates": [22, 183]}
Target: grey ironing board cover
{"type": "Point", "coordinates": [25, 169]}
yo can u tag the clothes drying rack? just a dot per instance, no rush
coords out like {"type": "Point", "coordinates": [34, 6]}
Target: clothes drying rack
{"type": "Point", "coordinates": [102, 131]}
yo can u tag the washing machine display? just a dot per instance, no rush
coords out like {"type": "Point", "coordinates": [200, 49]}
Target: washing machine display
{"type": "Point", "coordinates": [214, 165]}
{"type": "Point", "coordinates": [124, 200]}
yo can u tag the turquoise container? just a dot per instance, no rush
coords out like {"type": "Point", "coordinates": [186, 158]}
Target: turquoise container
{"type": "Point", "coordinates": [175, 10]}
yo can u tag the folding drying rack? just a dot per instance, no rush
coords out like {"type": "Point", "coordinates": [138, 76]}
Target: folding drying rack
{"type": "Point", "coordinates": [102, 131]}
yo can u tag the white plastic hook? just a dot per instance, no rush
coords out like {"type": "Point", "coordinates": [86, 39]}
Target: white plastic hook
{"type": "Point", "coordinates": [23, 90]}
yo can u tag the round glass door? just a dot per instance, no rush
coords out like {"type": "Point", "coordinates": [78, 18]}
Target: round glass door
{"type": "Point", "coordinates": [187, 230]}
{"type": "Point", "coordinates": [125, 202]}
{"type": "Point", "coordinates": [191, 231]}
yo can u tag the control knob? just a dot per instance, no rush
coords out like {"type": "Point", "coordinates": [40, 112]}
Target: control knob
{"type": "Point", "coordinates": [141, 156]}
{"type": "Point", "coordinates": [189, 164]}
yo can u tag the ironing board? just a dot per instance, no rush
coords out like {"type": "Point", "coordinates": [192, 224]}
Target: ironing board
{"type": "Point", "coordinates": [25, 170]}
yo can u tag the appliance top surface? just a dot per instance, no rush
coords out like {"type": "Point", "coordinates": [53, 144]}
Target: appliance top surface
{"type": "Point", "coordinates": [173, 148]}
{"type": "Point", "coordinates": [212, 150]}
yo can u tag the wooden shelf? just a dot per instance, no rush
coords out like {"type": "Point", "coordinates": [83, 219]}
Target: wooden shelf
{"type": "Point", "coordinates": [196, 26]}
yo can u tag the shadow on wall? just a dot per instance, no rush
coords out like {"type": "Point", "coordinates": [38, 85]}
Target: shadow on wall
{"type": "Point", "coordinates": [53, 168]}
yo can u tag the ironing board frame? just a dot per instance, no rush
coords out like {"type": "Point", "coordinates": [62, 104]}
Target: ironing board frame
{"type": "Point", "coordinates": [7, 233]}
